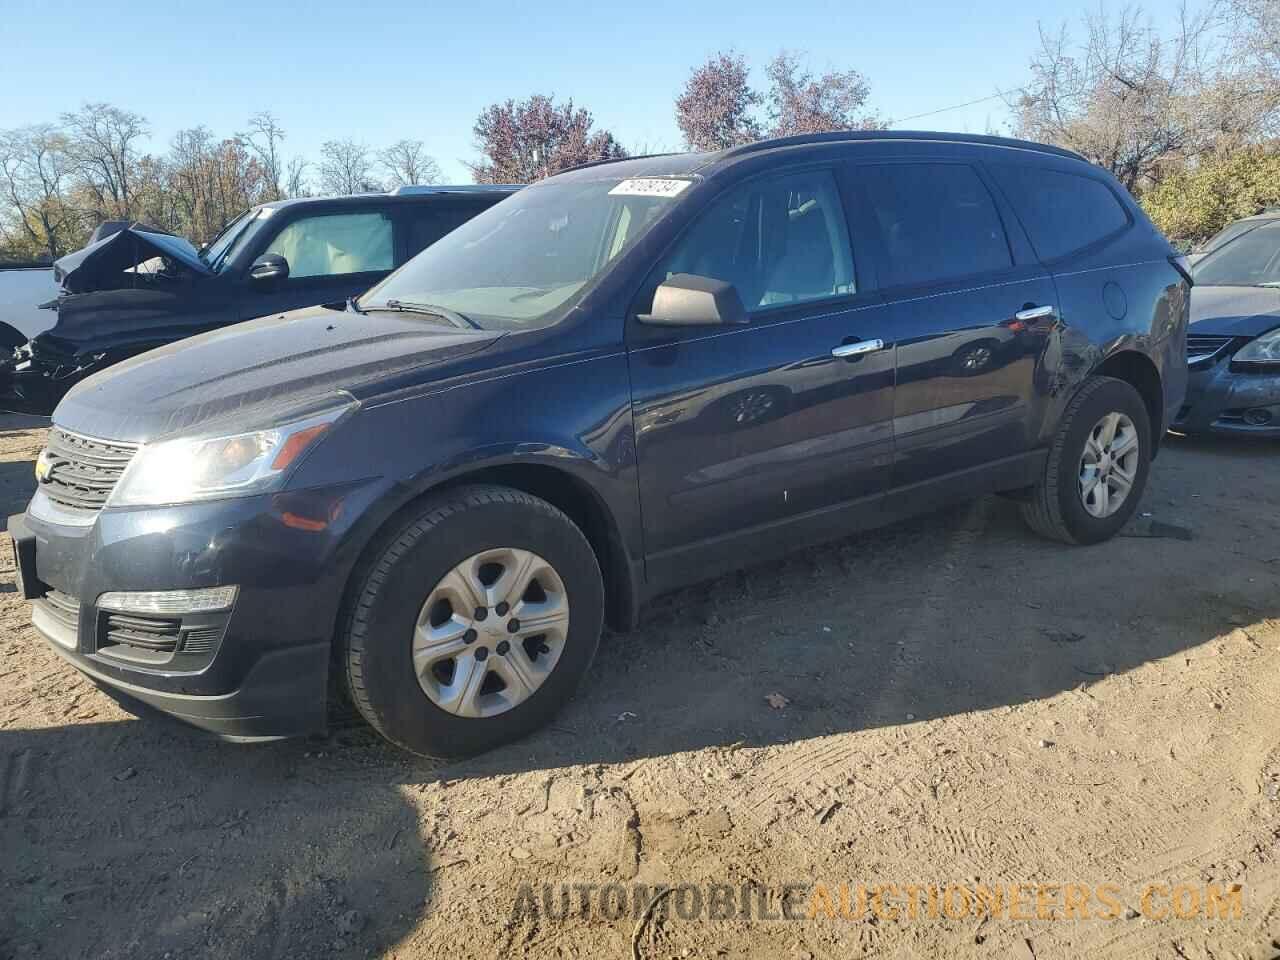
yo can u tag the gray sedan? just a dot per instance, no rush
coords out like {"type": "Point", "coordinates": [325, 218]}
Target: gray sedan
{"type": "Point", "coordinates": [1233, 343]}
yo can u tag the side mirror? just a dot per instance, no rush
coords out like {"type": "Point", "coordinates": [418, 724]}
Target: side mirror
{"type": "Point", "coordinates": [269, 268]}
{"type": "Point", "coordinates": [687, 300]}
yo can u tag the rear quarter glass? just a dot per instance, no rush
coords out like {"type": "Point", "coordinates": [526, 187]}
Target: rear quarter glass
{"type": "Point", "coordinates": [1062, 212]}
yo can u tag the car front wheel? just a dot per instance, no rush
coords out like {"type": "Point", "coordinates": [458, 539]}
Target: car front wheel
{"type": "Point", "coordinates": [473, 622]}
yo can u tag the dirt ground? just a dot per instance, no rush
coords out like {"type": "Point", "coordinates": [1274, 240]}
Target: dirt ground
{"type": "Point", "coordinates": [945, 702]}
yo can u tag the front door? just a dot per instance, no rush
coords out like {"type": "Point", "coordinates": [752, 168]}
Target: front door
{"type": "Point", "coordinates": [740, 429]}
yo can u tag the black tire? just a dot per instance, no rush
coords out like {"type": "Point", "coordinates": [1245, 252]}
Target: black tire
{"type": "Point", "coordinates": [1055, 509]}
{"type": "Point", "coordinates": [392, 586]}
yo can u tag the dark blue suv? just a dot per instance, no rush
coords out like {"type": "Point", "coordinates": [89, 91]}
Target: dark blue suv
{"type": "Point", "coordinates": [624, 378]}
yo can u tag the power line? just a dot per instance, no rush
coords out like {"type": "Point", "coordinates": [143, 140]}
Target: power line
{"type": "Point", "coordinates": [958, 106]}
{"type": "Point", "coordinates": [1156, 41]}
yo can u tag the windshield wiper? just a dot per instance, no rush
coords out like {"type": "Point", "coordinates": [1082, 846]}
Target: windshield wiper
{"type": "Point", "coordinates": [426, 310]}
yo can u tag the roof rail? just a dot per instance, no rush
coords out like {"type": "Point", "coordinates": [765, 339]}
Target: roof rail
{"type": "Point", "coordinates": [600, 163]}
{"type": "Point", "coordinates": [413, 189]}
{"type": "Point", "coordinates": [839, 136]}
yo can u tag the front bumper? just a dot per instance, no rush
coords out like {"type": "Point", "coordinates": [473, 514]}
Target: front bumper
{"type": "Point", "coordinates": [1225, 401]}
{"type": "Point", "coordinates": [259, 670]}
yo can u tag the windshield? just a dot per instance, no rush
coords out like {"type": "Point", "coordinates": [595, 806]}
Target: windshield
{"type": "Point", "coordinates": [1228, 233]}
{"type": "Point", "coordinates": [523, 263]}
{"type": "Point", "coordinates": [1250, 260]}
{"type": "Point", "coordinates": [234, 236]}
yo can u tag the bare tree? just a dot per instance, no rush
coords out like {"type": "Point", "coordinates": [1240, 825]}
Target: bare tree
{"type": "Point", "coordinates": [407, 162]}
{"type": "Point", "coordinates": [1135, 103]}
{"type": "Point", "coordinates": [346, 167]}
{"type": "Point", "coordinates": [535, 138]}
{"type": "Point", "coordinates": [715, 110]}
{"type": "Point", "coordinates": [103, 142]}
{"type": "Point", "coordinates": [799, 102]}
{"type": "Point", "coordinates": [296, 178]}
{"type": "Point", "coordinates": [1255, 32]}
{"type": "Point", "coordinates": [264, 138]}
{"type": "Point", "coordinates": [35, 174]}
{"type": "Point", "coordinates": [213, 180]}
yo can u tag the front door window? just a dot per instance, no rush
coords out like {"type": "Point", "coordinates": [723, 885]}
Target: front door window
{"type": "Point", "coordinates": [336, 244]}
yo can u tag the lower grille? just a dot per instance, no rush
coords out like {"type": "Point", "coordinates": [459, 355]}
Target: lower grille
{"type": "Point", "coordinates": [145, 633]}
{"type": "Point", "coordinates": [200, 639]}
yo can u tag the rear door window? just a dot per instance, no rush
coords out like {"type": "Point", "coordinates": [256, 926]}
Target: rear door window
{"type": "Point", "coordinates": [937, 222]}
{"type": "Point", "coordinates": [428, 222]}
{"type": "Point", "coordinates": [1062, 212]}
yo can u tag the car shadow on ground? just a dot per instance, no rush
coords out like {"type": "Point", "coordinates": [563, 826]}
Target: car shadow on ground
{"type": "Point", "coordinates": [17, 484]}
{"type": "Point", "coordinates": [136, 839]}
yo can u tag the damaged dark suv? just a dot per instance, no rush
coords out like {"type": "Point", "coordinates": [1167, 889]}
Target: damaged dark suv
{"type": "Point", "coordinates": [621, 379]}
{"type": "Point", "coordinates": [137, 288]}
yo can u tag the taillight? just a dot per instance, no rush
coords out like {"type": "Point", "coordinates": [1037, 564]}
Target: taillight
{"type": "Point", "coordinates": [1183, 266]}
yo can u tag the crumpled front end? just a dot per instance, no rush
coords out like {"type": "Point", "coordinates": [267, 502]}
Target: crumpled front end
{"type": "Point", "coordinates": [113, 291]}
{"type": "Point", "coordinates": [34, 377]}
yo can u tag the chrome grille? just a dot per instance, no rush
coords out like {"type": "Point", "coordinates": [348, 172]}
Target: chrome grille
{"type": "Point", "coordinates": [80, 472]}
{"type": "Point", "coordinates": [1204, 346]}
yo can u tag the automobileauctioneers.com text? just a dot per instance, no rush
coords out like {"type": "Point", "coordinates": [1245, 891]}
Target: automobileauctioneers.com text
{"type": "Point", "coordinates": [886, 901]}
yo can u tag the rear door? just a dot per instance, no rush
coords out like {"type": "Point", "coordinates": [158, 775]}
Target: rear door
{"type": "Point", "coordinates": [970, 314]}
{"type": "Point", "coordinates": [332, 256]}
{"type": "Point", "coordinates": [743, 428]}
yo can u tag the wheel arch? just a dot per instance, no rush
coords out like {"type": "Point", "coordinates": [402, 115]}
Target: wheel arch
{"type": "Point", "coordinates": [581, 503]}
{"type": "Point", "coordinates": [1140, 372]}
{"type": "Point", "coordinates": [564, 489]}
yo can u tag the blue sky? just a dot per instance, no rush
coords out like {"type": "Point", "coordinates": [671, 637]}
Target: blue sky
{"type": "Point", "coordinates": [377, 70]}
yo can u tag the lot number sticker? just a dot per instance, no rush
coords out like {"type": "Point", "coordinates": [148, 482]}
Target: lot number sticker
{"type": "Point", "coordinates": [649, 187]}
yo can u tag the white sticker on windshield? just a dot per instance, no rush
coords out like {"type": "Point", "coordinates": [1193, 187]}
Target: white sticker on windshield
{"type": "Point", "coordinates": [650, 187]}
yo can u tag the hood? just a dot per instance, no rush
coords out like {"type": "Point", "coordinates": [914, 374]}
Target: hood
{"type": "Point", "coordinates": [101, 263]}
{"type": "Point", "coordinates": [1234, 311]}
{"type": "Point", "coordinates": [253, 374]}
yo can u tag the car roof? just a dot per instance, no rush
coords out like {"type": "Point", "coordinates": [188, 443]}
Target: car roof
{"type": "Point", "coordinates": [410, 193]}
{"type": "Point", "coordinates": [685, 164]}
{"type": "Point", "coordinates": [1271, 213]}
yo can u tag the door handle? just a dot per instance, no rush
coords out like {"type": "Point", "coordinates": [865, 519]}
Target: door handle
{"type": "Point", "coordinates": [1036, 313]}
{"type": "Point", "coordinates": [857, 349]}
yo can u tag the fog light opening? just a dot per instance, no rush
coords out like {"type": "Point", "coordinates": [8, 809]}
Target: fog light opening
{"type": "Point", "coordinates": [1257, 417]}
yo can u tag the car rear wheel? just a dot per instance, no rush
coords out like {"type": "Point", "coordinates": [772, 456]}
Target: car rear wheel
{"type": "Point", "coordinates": [473, 622]}
{"type": "Point", "coordinates": [1097, 466]}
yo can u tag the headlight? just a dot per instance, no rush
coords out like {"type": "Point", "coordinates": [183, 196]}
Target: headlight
{"type": "Point", "coordinates": [206, 468]}
{"type": "Point", "coordinates": [1265, 349]}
